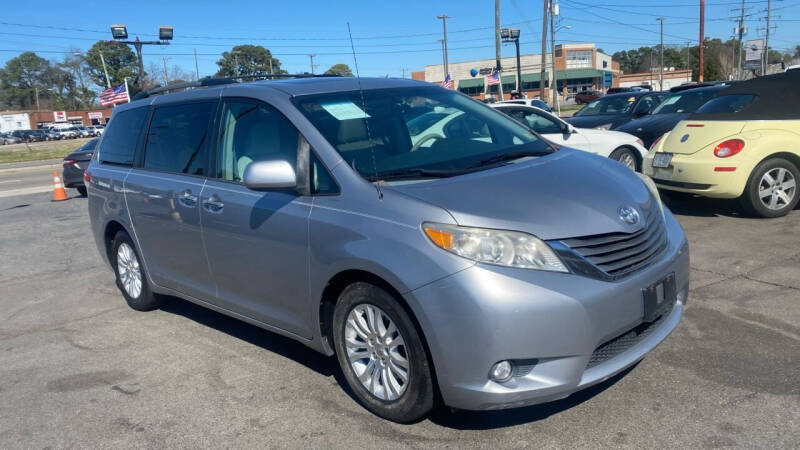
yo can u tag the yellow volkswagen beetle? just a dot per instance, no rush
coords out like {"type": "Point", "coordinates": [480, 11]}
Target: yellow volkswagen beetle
{"type": "Point", "coordinates": [744, 143]}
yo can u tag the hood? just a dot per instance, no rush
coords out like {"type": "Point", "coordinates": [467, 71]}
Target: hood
{"type": "Point", "coordinates": [593, 121]}
{"type": "Point", "coordinates": [649, 128]}
{"type": "Point", "coordinates": [567, 194]}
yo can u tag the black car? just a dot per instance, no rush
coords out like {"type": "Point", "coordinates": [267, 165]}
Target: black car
{"type": "Point", "coordinates": [28, 135]}
{"type": "Point", "coordinates": [74, 165]}
{"type": "Point", "coordinates": [612, 111]}
{"type": "Point", "coordinates": [672, 110]}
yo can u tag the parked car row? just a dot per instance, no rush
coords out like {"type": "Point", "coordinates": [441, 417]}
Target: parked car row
{"type": "Point", "coordinates": [51, 134]}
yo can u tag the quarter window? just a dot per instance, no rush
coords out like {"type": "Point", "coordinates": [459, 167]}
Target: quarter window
{"type": "Point", "coordinates": [251, 132]}
{"type": "Point", "coordinates": [177, 138]}
{"type": "Point", "coordinates": [120, 137]}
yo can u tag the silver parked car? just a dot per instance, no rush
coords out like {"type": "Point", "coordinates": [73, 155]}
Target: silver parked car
{"type": "Point", "coordinates": [479, 263]}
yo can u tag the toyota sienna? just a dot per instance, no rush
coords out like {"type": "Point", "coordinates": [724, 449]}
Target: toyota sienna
{"type": "Point", "coordinates": [478, 265]}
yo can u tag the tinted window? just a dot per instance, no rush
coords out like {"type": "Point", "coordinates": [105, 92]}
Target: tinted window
{"type": "Point", "coordinates": [539, 123]}
{"type": "Point", "coordinates": [253, 132]}
{"type": "Point", "coordinates": [727, 104]}
{"type": "Point", "coordinates": [646, 104]}
{"type": "Point", "coordinates": [119, 139]}
{"type": "Point", "coordinates": [321, 181]}
{"type": "Point", "coordinates": [685, 102]}
{"type": "Point", "coordinates": [176, 140]}
{"type": "Point", "coordinates": [618, 104]}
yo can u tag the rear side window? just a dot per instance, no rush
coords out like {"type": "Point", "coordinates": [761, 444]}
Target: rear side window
{"type": "Point", "coordinates": [119, 138]}
{"type": "Point", "coordinates": [727, 104]}
{"type": "Point", "coordinates": [177, 139]}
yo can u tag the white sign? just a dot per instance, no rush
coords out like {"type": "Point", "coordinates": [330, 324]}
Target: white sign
{"type": "Point", "coordinates": [60, 116]}
{"type": "Point", "coordinates": [95, 115]}
{"type": "Point", "coordinates": [344, 110]}
{"type": "Point", "coordinates": [754, 50]}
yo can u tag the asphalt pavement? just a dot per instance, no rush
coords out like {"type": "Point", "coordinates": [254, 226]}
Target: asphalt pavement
{"type": "Point", "coordinates": [79, 369]}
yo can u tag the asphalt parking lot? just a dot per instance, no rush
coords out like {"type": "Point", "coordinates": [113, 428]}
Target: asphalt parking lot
{"type": "Point", "coordinates": [79, 369]}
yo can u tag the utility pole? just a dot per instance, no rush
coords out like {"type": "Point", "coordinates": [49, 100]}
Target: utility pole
{"type": "Point", "coordinates": [404, 71]}
{"type": "Point", "coordinates": [311, 57]}
{"type": "Point", "coordinates": [196, 67]}
{"type": "Point", "coordinates": [688, 64]}
{"type": "Point", "coordinates": [766, 40]}
{"type": "Point", "coordinates": [36, 91]}
{"type": "Point", "coordinates": [166, 77]}
{"type": "Point", "coordinates": [554, 85]}
{"type": "Point", "coordinates": [444, 60]}
{"type": "Point", "coordinates": [497, 47]}
{"type": "Point", "coordinates": [740, 32]}
{"type": "Point", "coordinates": [702, 38]}
{"type": "Point", "coordinates": [105, 71]}
{"type": "Point", "coordinates": [661, 65]}
{"type": "Point", "coordinates": [545, 6]}
{"type": "Point", "coordinates": [444, 18]}
{"type": "Point", "coordinates": [120, 33]}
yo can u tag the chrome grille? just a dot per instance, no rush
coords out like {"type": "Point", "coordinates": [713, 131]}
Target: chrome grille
{"type": "Point", "coordinates": [619, 254]}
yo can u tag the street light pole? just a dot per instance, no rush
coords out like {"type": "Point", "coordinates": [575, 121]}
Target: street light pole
{"type": "Point", "coordinates": [544, 49]}
{"type": "Point", "coordinates": [512, 35]}
{"type": "Point", "coordinates": [120, 33]}
{"type": "Point", "coordinates": [105, 71]}
{"type": "Point", "coordinates": [702, 39]}
{"type": "Point", "coordinates": [444, 18]}
{"type": "Point", "coordinates": [661, 66]}
{"type": "Point", "coordinates": [554, 86]}
{"type": "Point", "coordinates": [497, 47]}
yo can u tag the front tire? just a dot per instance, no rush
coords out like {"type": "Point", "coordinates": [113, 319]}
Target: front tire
{"type": "Point", "coordinates": [626, 157]}
{"type": "Point", "coordinates": [771, 190]}
{"type": "Point", "coordinates": [381, 354]}
{"type": "Point", "coordinates": [130, 275]}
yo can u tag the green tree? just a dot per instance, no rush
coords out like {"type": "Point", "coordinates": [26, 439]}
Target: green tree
{"type": "Point", "coordinates": [248, 60]}
{"type": "Point", "coordinates": [81, 95]}
{"type": "Point", "coordinates": [21, 77]}
{"type": "Point", "coordinates": [343, 70]}
{"type": "Point", "coordinates": [796, 52]}
{"type": "Point", "coordinates": [120, 60]}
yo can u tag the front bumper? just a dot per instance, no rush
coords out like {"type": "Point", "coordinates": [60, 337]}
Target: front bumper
{"type": "Point", "coordinates": [486, 314]}
{"type": "Point", "coordinates": [695, 173]}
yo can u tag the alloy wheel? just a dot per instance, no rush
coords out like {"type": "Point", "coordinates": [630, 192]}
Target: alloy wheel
{"type": "Point", "coordinates": [777, 188]}
{"type": "Point", "coordinates": [627, 160]}
{"type": "Point", "coordinates": [376, 352]}
{"type": "Point", "coordinates": [130, 274]}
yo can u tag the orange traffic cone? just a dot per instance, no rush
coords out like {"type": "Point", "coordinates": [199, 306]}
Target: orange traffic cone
{"type": "Point", "coordinates": [59, 193]}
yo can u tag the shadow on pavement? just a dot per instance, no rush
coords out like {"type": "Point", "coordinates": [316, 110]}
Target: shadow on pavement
{"type": "Point", "coordinates": [487, 420]}
{"type": "Point", "coordinates": [692, 205]}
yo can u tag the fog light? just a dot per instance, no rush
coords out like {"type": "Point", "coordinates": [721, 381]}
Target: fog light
{"type": "Point", "coordinates": [501, 371]}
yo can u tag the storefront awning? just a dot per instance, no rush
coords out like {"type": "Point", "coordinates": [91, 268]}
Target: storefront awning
{"type": "Point", "coordinates": [470, 83]}
{"type": "Point", "coordinates": [572, 74]}
{"type": "Point", "coordinates": [535, 77]}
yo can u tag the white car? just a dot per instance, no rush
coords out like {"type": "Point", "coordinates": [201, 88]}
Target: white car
{"type": "Point", "coordinates": [622, 147]}
{"type": "Point", "coordinates": [68, 133]}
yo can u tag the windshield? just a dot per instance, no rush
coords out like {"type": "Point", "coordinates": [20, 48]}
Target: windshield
{"type": "Point", "coordinates": [614, 105]}
{"type": "Point", "coordinates": [394, 133]}
{"type": "Point", "coordinates": [686, 101]}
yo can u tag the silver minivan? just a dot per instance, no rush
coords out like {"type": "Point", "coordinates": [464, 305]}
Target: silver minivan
{"type": "Point", "coordinates": [443, 252]}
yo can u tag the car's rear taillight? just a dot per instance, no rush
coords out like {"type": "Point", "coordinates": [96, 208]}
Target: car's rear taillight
{"type": "Point", "coordinates": [728, 148]}
{"type": "Point", "coordinates": [68, 162]}
{"type": "Point", "coordinates": [655, 143]}
{"type": "Point", "coordinates": [87, 177]}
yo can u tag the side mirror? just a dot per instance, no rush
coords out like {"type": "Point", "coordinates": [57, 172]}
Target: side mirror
{"type": "Point", "coordinates": [276, 174]}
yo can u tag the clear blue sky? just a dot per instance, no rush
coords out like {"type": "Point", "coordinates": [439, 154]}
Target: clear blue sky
{"type": "Point", "coordinates": [389, 35]}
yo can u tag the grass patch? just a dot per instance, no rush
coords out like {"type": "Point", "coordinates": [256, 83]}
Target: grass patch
{"type": "Point", "coordinates": [38, 151]}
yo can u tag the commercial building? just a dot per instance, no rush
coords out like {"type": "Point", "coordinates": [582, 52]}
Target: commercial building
{"type": "Point", "coordinates": [579, 67]}
{"type": "Point", "coordinates": [32, 120]}
{"type": "Point", "coordinates": [672, 78]}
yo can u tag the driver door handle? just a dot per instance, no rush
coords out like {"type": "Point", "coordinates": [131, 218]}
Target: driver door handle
{"type": "Point", "coordinates": [187, 199]}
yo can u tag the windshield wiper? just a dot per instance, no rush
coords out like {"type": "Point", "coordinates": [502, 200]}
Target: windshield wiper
{"type": "Point", "coordinates": [413, 173]}
{"type": "Point", "coordinates": [502, 157]}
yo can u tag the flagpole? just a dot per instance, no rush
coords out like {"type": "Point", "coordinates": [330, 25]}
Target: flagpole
{"type": "Point", "coordinates": [127, 92]}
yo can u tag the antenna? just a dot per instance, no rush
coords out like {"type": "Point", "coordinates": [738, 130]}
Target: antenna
{"type": "Point", "coordinates": [364, 108]}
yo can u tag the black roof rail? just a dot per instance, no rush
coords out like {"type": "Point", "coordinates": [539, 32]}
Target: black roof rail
{"type": "Point", "coordinates": [209, 81]}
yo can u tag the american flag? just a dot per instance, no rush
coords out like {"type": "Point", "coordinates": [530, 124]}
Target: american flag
{"type": "Point", "coordinates": [493, 79]}
{"type": "Point", "coordinates": [448, 82]}
{"type": "Point", "coordinates": [114, 95]}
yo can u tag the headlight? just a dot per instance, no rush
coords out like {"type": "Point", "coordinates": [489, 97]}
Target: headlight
{"type": "Point", "coordinates": [605, 126]}
{"type": "Point", "coordinates": [651, 186]}
{"type": "Point", "coordinates": [504, 248]}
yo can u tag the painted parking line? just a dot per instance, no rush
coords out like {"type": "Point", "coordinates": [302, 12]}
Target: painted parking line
{"type": "Point", "coordinates": [9, 181]}
{"type": "Point", "coordinates": [26, 191]}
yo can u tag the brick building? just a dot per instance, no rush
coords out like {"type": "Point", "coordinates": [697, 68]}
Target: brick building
{"type": "Point", "coordinates": [26, 120]}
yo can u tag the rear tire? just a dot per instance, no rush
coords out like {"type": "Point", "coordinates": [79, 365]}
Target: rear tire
{"type": "Point", "coordinates": [372, 329]}
{"type": "Point", "coordinates": [626, 157]}
{"type": "Point", "coordinates": [771, 190]}
{"type": "Point", "coordinates": [82, 190]}
{"type": "Point", "coordinates": [131, 279]}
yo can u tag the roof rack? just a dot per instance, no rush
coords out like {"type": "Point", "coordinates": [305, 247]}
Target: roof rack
{"type": "Point", "coordinates": [209, 81]}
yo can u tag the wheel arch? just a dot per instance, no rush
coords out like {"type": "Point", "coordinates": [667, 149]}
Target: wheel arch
{"type": "Point", "coordinates": [636, 154]}
{"type": "Point", "coordinates": [111, 229]}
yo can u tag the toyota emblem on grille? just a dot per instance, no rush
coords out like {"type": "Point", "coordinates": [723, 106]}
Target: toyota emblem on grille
{"type": "Point", "coordinates": [628, 214]}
